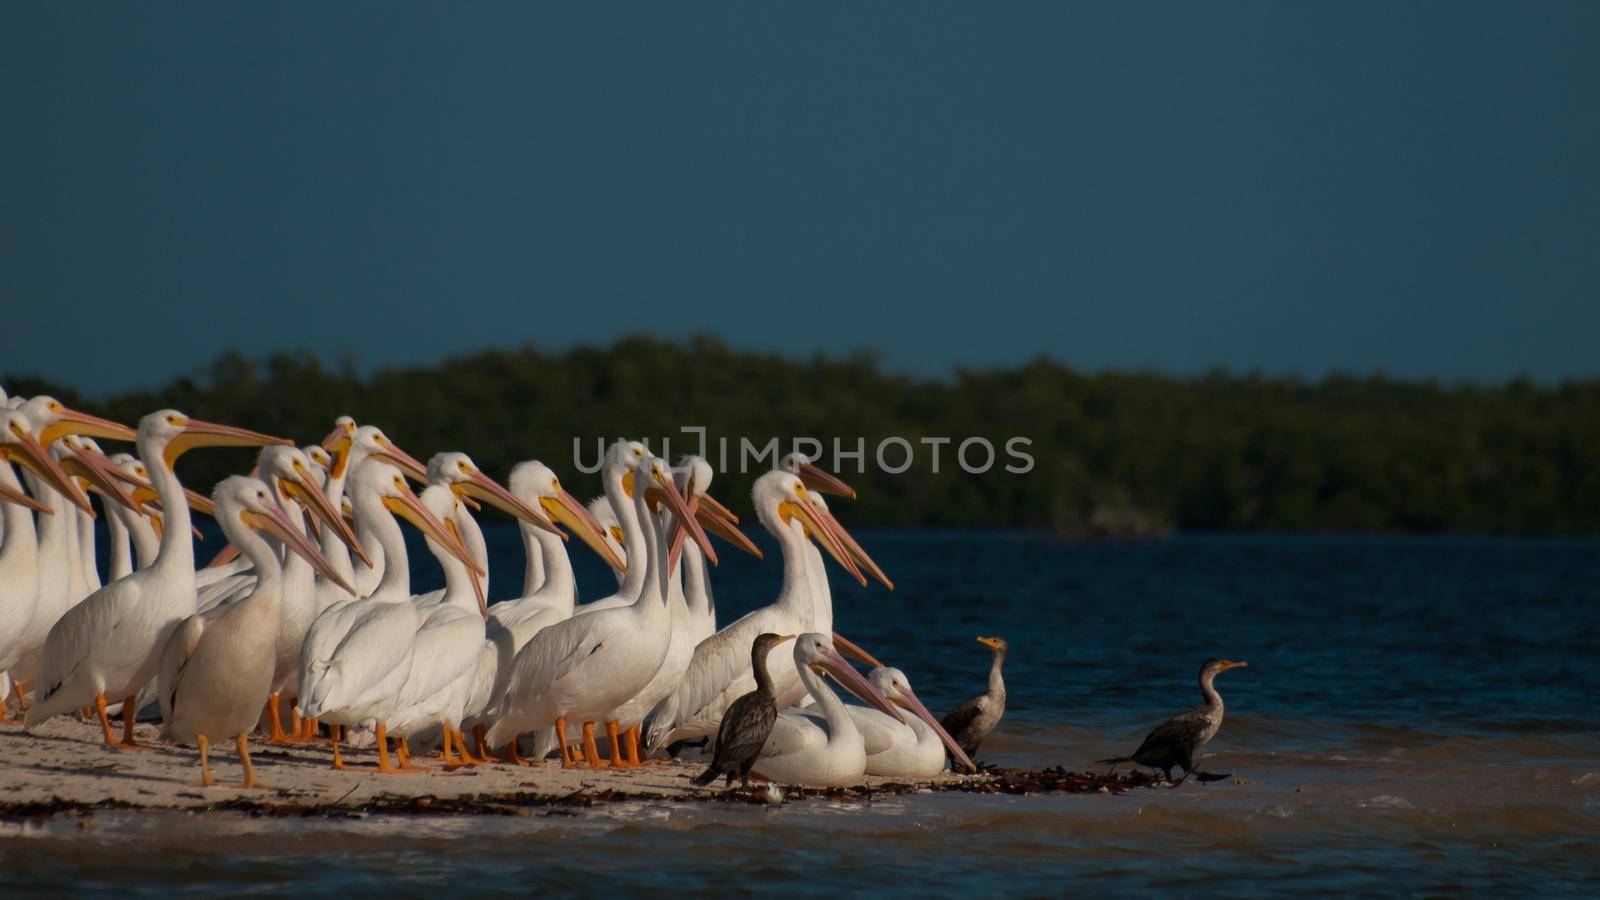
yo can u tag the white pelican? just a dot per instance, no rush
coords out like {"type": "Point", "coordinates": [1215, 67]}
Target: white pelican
{"type": "Point", "coordinates": [217, 668]}
{"type": "Point", "coordinates": [111, 642]}
{"type": "Point", "coordinates": [357, 653]}
{"type": "Point", "coordinates": [349, 446]}
{"type": "Point", "coordinates": [587, 666]}
{"type": "Point", "coordinates": [913, 748]}
{"type": "Point", "coordinates": [288, 473]}
{"type": "Point", "coordinates": [720, 671]}
{"type": "Point", "coordinates": [694, 478]}
{"type": "Point", "coordinates": [19, 554]}
{"type": "Point", "coordinates": [616, 477]}
{"type": "Point", "coordinates": [56, 534]}
{"type": "Point", "coordinates": [826, 750]}
{"type": "Point", "coordinates": [133, 527]}
{"type": "Point", "coordinates": [604, 516]}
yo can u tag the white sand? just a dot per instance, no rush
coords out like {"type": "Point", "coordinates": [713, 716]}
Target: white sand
{"type": "Point", "coordinates": [66, 760]}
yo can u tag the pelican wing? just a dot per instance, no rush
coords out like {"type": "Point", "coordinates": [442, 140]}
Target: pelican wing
{"type": "Point", "coordinates": [174, 657]}
{"type": "Point", "coordinates": [878, 731]}
{"type": "Point", "coordinates": [85, 627]}
{"type": "Point", "coordinates": [793, 732]}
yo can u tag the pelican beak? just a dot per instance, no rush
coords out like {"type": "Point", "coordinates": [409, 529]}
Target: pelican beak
{"type": "Point", "coordinates": [100, 472]}
{"type": "Point", "coordinates": [408, 464]}
{"type": "Point", "coordinates": [627, 483]}
{"type": "Point", "coordinates": [71, 421]}
{"type": "Point", "coordinates": [488, 490]}
{"type": "Point", "coordinates": [820, 525]}
{"type": "Point", "coordinates": [909, 700]}
{"type": "Point", "coordinates": [197, 501]}
{"type": "Point", "coordinates": [856, 553]}
{"type": "Point", "coordinates": [409, 507]}
{"type": "Point", "coordinates": [339, 437]}
{"type": "Point", "coordinates": [717, 519]}
{"type": "Point", "coordinates": [20, 498]}
{"type": "Point", "coordinates": [274, 522]}
{"type": "Point", "coordinates": [304, 491]}
{"type": "Point", "coordinates": [850, 648]}
{"type": "Point", "coordinates": [565, 509]}
{"type": "Point", "coordinates": [472, 572]}
{"type": "Point", "coordinates": [209, 434]}
{"type": "Point", "coordinates": [824, 482]}
{"type": "Point", "coordinates": [851, 680]}
{"type": "Point", "coordinates": [668, 490]}
{"type": "Point", "coordinates": [227, 555]}
{"type": "Point", "coordinates": [21, 447]}
{"type": "Point", "coordinates": [991, 643]}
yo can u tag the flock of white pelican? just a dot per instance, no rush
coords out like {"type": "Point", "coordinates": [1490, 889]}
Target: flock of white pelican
{"type": "Point", "coordinates": [308, 613]}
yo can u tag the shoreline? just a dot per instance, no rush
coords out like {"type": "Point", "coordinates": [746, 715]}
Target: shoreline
{"type": "Point", "coordinates": [64, 768]}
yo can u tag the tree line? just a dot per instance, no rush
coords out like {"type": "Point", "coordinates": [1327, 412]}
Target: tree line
{"type": "Point", "coordinates": [1112, 453]}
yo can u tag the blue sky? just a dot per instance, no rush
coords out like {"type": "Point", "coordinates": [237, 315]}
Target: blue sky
{"type": "Point", "coordinates": [1285, 187]}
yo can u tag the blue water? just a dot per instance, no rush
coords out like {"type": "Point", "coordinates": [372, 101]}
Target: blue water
{"type": "Point", "coordinates": [1419, 715]}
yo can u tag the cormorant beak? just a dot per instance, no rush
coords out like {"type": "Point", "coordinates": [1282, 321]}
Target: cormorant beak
{"type": "Point", "coordinates": [993, 643]}
{"type": "Point", "coordinates": [71, 421]}
{"type": "Point", "coordinates": [196, 433]}
{"type": "Point", "coordinates": [824, 482]}
{"type": "Point", "coordinates": [851, 680]}
{"type": "Point", "coordinates": [1230, 664]}
{"type": "Point", "coordinates": [274, 522]}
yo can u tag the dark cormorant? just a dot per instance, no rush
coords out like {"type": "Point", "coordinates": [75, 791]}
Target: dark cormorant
{"type": "Point", "coordinates": [747, 723]}
{"type": "Point", "coordinates": [1176, 741]}
{"type": "Point", "coordinates": [972, 721]}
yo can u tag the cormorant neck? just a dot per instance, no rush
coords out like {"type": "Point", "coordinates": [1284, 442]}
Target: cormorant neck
{"type": "Point", "coordinates": [1209, 691]}
{"type": "Point", "coordinates": [997, 684]}
{"type": "Point", "coordinates": [758, 664]}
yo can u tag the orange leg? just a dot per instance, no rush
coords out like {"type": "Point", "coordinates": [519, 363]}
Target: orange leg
{"type": "Point", "coordinates": [613, 735]}
{"type": "Point", "coordinates": [205, 765]}
{"type": "Point", "coordinates": [467, 759]}
{"type": "Point", "coordinates": [402, 752]}
{"type": "Point", "coordinates": [447, 748]}
{"type": "Point", "coordinates": [5, 712]}
{"type": "Point", "coordinates": [105, 722]}
{"type": "Point", "coordinates": [296, 724]}
{"type": "Point", "coordinates": [513, 757]}
{"type": "Point", "coordinates": [567, 760]}
{"type": "Point", "coordinates": [482, 747]}
{"type": "Point", "coordinates": [312, 728]}
{"type": "Point", "coordinates": [384, 765]}
{"type": "Point", "coordinates": [22, 695]}
{"type": "Point", "coordinates": [275, 733]}
{"type": "Point", "coordinates": [128, 712]}
{"type": "Point", "coordinates": [334, 732]}
{"type": "Point", "coordinates": [591, 753]}
{"type": "Point", "coordinates": [250, 781]}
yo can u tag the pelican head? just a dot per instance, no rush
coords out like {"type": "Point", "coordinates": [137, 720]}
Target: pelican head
{"type": "Point", "coordinates": [694, 475]}
{"type": "Point", "coordinates": [349, 444]}
{"type": "Point", "coordinates": [534, 484]}
{"type": "Point", "coordinates": [20, 444]}
{"type": "Point", "coordinates": [175, 434]}
{"type": "Point", "coordinates": [656, 476]}
{"type": "Point", "coordinates": [815, 652]}
{"type": "Point", "coordinates": [383, 480]}
{"type": "Point", "coordinates": [293, 474]}
{"type": "Point", "coordinates": [457, 471]}
{"type": "Point", "coordinates": [782, 498]}
{"type": "Point", "coordinates": [619, 461]}
{"type": "Point", "coordinates": [815, 478]}
{"type": "Point", "coordinates": [893, 684]}
{"type": "Point", "coordinates": [243, 502]}
{"type": "Point", "coordinates": [54, 420]}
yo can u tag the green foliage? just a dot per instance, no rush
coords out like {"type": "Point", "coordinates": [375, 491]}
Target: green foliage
{"type": "Point", "coordinates": [1117, 453]}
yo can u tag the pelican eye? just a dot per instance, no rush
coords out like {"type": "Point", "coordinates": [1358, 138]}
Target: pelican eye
{"type": "Point", "coordinates": [463, 467]}
{"type": "Point", "coordinates": [555, 484]}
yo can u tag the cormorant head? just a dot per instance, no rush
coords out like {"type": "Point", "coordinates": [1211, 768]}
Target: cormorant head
{"type": "Point", "coordinates": [997, 644]}
{"type": "Point", "coordinates": [1217, 665]}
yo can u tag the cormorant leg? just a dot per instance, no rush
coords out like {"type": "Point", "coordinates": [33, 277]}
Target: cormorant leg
{"type": "Point", "coordinates": [128, 712]}
{"type": "Point", "coordinates": [205, 765]}
{"type": "Point", "coordinates": [616, 747]}
{"type": "Point", "coordinates": [275, 733]}
{"type": "Point", "coordinates": [567, 761]}
{"type": "Point", "coordinates": [591, 753]}
{"type": "Point", "coordinates": [250, 781]}
{"type": "Point", "coordinates": [105, 722]}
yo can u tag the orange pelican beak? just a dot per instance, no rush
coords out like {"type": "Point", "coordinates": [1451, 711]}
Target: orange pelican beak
{"type": "Point", "coordinates": [849, 648]}
{"type": "Point", "coordinates": [304, 491]}
{"type": "Point", "coordinates": [21, 447]}
{"type": "Point", "coordinates": [488, 490]}
{"type": "Point", "coordinates": [196, 433]}
{"type": "Point", "coordinates": [823, 528]}
{"type": "Point", "coordinates": [99, 472]}
{"type": "Point", "coordinates": [71, 421]}
{"type": "Point", "coordinates": [908, 699]}
{"type": "Point", "coordinates": [851, 680]}
{"type": "Point", "coordinates": [274, 522]}
{"type": "Point", "coordinates": [824, 482]}
{"type": "Point", "coordinates": [717, 520]}
{"type": "Point", "coordinates": [409, 506]}
{"type": "Point", "coordinates": [408, 464]}
{"type": "Point", "coordinates": [20, 498]}
{"type": "Point", "coordinates": [566, 510]}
